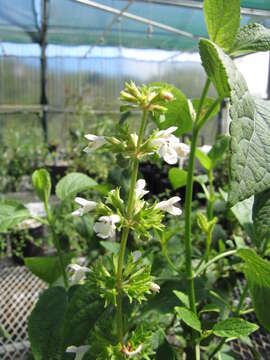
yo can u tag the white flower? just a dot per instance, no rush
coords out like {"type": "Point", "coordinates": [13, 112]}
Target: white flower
{"type": "Point", "coordinates": [155, 287]}
{"type": "Point", "coordinates": [168, 206]}
{"type": "Point", "coordinates": [79, 273]}
{"type": "Point", "coordinates": [86, 206]}
{"type": "Point", "coordinates": [166, 144]}
{"type": "Point", "coordinates": [205, 148]}
{"type": "Point", "coordinates": [136, 255]}
{"type": "Point", "coordinates": [105, 227]}
{"type": "Point", "coordinates": [182, 150]}
{"type": "Point", "coordinates": [95, 142]}
{"type": "Point", "coordinates": [80, 351]}
{"type": "Point", "coordinates": [139, 188]}
{"type": "Point", "coordinates": [131, 353]}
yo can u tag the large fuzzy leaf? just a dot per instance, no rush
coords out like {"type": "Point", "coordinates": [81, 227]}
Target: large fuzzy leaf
{"type": "Point", "coordinates": [251, 38]}
{"type": "Point", "coordinates": [261, 216]}
{"type": "Point", "coordinates": [47, 268]}
{"type": "Point", "coordinates": [12, 214]}
{"type": "Point", "coordinates": [45, 326]}
{"type": "Point", "coordinates": [234, 327]}
{"type": "Point", "coordinates": [84, 309]}
{"type": "Point", "coordinates": [178, 111]}
{"type": "Point", "coordinates": [223, 20]}
{"type": "Point", "coordinates": [250, 127]}
{"type": "Point", "coordinates": [72, 184]}
{"type": "Point", "coordinates": [257, 272]}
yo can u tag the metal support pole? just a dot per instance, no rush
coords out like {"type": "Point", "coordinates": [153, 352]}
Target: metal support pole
{"type": "Point", "coordinates": [268, 82]}
{"type": "Point", "coordinates": [43, 70]}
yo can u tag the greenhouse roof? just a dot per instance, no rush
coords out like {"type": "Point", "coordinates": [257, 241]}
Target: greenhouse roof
{"type": "Point", "coordinates": [156, 24]}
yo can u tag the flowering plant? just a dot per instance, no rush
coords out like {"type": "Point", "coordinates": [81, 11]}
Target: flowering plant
{"type": "Point", "coordinates": [117, 308]}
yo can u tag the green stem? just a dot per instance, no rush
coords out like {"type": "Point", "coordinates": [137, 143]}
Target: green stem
{"type": "Point", "coordinates": [56, 244]}
{"type": "Point", "coordinates": [188, 206]}
{"type": "Point", "coordinates": [188, 203]}
{"type": "Point", "coordinates": [241, 301]}
{"type": "Point", "coordinates": [211, 196]}
{"type": "Point", "coordinates": [203, 97]}
{"type": "Point", "coordinates": [212, 261]}
{"type": "Point", "coordinates": [125, 232]}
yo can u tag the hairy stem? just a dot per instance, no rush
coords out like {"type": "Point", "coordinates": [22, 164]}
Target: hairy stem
{"type": "Point", "coordinates": [57, 245]}
{"type": "Point", "coordinates": [211, 196]}
{"type": "Point", "coordinates": [188, 202]}
{"type": "Point", "coordinates": [125, 232]}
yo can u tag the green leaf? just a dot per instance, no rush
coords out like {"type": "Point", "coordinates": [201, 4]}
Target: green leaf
{"type": "Point", "coordinates": [261, 216]}
{"type": "Point", "coordinates": [83, 310]}
{"type": "Point", "coordinates": [177, 177]}
{"type": "Point", "coordinates": [210, 308]}
{"type": "Point", "coordinates": [251, 38]}
{"type": "Point", "coordinates": [47, 268]}
{"type": "Point", "coordinates": [219, 149]}
{"type": "Point", "coordinates": [182, 297]}
{"type": "Point", "coordinates": [45, 325]}
{"type": "Point", "coordinates": [257, 272]}
{"type": "Point", "coordinates": [208, 103]}
{"type": "Point", "coordinates": [12, 214]}
{"type": "Point", "coordinates": [234, 327]}
{"type": "Point", "coordinates": [204, 159]}
{"type": "Point", "coordinates": [178, 111]}
{"type": "Point", "coordinates": [223, 20]}
{"type": "Point", "coordinates": [243, 213]}
{"type": "Point", "coordinates": [214, 61]}
{"type": "Point", "coordinates": [42, 184]}
{"type": "Point", "coordinates": [111, 247]}
{"type": "Point", "coordinates": [189, 317]}
{"type": "Point", "coordinates": [72, 184]}
{"type": "Point", "coordinates": [250, 126]}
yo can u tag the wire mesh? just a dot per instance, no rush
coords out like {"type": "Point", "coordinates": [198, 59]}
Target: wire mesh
{"type": "Point", "coordinates": [19, 291]}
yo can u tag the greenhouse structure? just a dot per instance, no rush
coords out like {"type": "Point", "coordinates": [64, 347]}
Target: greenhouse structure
{"type": "Point", "coordinates": [135, 179]}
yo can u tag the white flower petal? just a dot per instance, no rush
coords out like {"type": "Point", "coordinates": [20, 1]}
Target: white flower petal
{"type": "Point", "coordinates": [167, 206]}
{"type": "Point", "coordinates": [205, 148]}
{"type": "Point", "coordinates": [139, 188]}
{"type": "Point", "coordinates": [170, 157]}
{"type": "Point", "coordinates": [174, 199]}
{"type": "Point", "coordinates": [91, 137]}
{"type": "Point", "coordinates": [175, 211]}
{"type": "Point", "coordinates": [80, 351]}
{"type": "Point", "coordinates": [77, 212]}
{"type": "Point", "coordinates": [182, 150]}
{"type": "Point", "coordinates": [114, 219]}
{"type": "Point", "coordinates": [104, 230]}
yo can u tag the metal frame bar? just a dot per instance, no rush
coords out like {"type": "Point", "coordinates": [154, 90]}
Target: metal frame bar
{"type": "Point", "coordinates": [109, 26]}
{"type": "Point", "coordinates": [137, 18]}
{"type": "Point", "coordinates": [198, 5]}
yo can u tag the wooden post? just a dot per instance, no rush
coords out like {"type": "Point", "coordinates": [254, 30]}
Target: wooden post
{"type": "Point", "coordinates": [43, 69]}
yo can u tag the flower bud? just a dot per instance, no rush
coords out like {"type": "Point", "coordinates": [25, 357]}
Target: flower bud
{"type": "Point", "coordinates": [155, 287]}
{"type": "Point", "coordinates": [166, 95]}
